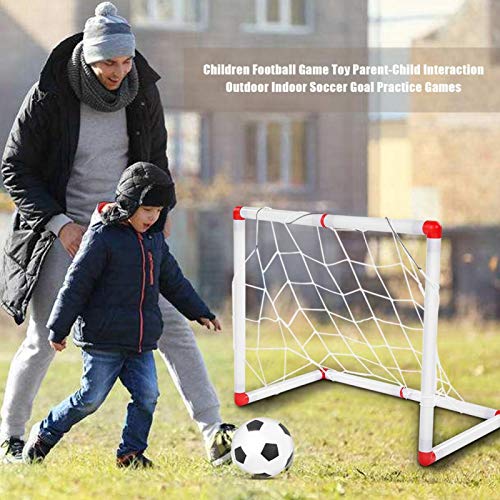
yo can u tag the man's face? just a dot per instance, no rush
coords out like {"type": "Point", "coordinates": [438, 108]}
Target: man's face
{"type": "Point", "coordinates": [144, 217]}
{"type": "Point", "coordinates": [111, 72]}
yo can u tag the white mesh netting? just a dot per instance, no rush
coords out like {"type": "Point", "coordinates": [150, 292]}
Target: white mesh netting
{"type": "Point", "coordinates": [351, 301]}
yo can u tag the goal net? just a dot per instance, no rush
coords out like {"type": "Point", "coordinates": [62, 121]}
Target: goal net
{"type": "Point", "coordinates": [339, 298]}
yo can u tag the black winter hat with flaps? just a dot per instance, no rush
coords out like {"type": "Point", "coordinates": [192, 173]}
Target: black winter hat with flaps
{"type": "Point", "coordinates": [141, 184]}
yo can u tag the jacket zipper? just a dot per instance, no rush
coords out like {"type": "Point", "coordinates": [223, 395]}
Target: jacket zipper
{"type": "Point", "coordinates": [141, 319]}
{"type": "Point", "coordinates": [151, 269]}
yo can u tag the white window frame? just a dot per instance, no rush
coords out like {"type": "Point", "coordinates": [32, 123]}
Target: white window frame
{"type": "Point", "coordinates": [177, 22]}
{"type": "Point", "coordinates": [174, 142]}
{"type": "Point", "coordinates": [284, 25]}
{"type": "Point", "coordinates": [262, 121]}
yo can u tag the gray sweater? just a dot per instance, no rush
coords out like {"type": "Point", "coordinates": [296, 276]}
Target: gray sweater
{"type": "Point", "coordinates": [100, 159]}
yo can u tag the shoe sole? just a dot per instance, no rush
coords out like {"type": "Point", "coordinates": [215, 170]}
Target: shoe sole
{"type": "Point", "coordinates": [12, 461]}
{"type": "Point", "coordinates": [31, 441]}
{"type": "Point", "coordinates": [222, 460]}
{"type": "Point", "coordinates": [135, 467]}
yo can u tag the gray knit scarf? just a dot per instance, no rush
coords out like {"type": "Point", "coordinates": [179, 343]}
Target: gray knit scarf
{"type": "Point", "coordinates": [89, 90]}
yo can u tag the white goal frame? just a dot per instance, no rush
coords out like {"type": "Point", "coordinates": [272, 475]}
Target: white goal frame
{"type": "Point", "coordinates": [426, 396]}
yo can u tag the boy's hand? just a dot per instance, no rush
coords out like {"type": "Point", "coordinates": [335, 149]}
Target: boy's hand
{"type": "Point", "coordinates": [58, 347]}
{"type": "Point", "coordinates": [209, 322]}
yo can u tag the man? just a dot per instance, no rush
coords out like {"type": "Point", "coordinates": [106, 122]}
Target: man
{"type": "Point", "coordinates": [96, 104]}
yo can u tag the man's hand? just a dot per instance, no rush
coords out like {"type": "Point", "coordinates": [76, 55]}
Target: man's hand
{"type": "Point", "coordinates": [209, 323]}
{"type": "Point", "coordinates": [167, 228]}
{"type": "Point", "coordinates": [58, 347]}
{"type": "Point", "coordinates": [71, 237]}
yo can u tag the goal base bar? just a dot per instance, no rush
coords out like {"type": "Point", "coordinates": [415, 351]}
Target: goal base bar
{"type": "Point", "coordinates": [243, 398]}
{"type": "Point", "coordinates": [491, 416]}
{"type": "Point", "coordinates": [463, 439]}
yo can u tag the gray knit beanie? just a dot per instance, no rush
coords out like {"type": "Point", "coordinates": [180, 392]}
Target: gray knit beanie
{"type": "Point", "coordinates": [107, 35]}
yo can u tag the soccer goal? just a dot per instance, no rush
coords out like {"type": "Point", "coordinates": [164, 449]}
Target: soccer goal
{"type": "Point", "coordinates": [344, 299]}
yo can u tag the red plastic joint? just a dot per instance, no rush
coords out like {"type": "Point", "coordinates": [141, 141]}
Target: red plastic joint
{"type": "Point", "coordinates": [426, 458]}
{"type": "Point", "coordinates": [401, 394]}
{"type": "Point", "coordinates": [241, 398]}
{"type": "Point", "coordinates": [432, 229]}
{"type": "Point", "coordinates": [497, 413]}
{"type": "Point", "coordinates": [237, 213]}
{"type": "Point", "coordinates": [323, 373]}
{"type": "Point", "coordinates": [322, 220]}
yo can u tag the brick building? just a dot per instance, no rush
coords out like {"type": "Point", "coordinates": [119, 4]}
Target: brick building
{"type": "Point", "coordinates": [304, 157]}
{"type": "Point", "coordinates": [456, 165]}
{"type": "Point", "coordinates": [458, 157]}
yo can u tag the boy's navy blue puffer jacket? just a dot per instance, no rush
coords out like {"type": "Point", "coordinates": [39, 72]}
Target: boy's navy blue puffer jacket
{"type": "Point", "coordinates": [111, 290]}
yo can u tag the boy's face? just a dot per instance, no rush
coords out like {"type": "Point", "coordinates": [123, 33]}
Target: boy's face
{"type": "Point", "coordinates": [144, 217]}
{"type": "Point", "coordinates": [111, 72]}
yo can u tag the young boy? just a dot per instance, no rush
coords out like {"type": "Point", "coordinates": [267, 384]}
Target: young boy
{"type": "Point", "coordinates": [111, 290]}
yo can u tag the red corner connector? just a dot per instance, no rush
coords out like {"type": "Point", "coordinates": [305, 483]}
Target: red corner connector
{"type": "Point", "coordinates": [322, 220]}
{"type": "Point", "coordinates": [323, 373]}
{"type": "Point", "coordinates": [497, 413]}
{"type": "Point", "coordinates": [432, 229]}
{"type": "Point", "coordinates": [401, 393]}
{"type": "Point", "coordinates": [426, 458]}
{"type": "Point", "coordinates": [241, 398]}
{"type": "Point", "coordinates": [237, 213]}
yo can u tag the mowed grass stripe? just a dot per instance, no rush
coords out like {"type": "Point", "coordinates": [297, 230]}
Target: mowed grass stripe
{"type": "Point", "coordinates": [349, 442]}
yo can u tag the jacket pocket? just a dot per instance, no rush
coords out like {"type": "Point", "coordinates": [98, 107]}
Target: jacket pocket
{"type": "Point", "coordinates": [96, 321]}
{"type": "Point", "coordinates": [27, 249]}
{"type": "Point", "coordinates": [107, 328]}
{"type": "Point", "coordinates": [21, 261]}
{"type": "Point", "coordinates": [108, 322]}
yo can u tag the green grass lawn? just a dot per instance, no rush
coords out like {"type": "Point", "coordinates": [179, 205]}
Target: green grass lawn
{"type": "Point", "coordinates": [349, 442]}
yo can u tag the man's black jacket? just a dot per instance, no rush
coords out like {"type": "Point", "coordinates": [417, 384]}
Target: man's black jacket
{"type": "Point", "coordinates": [38, 158]}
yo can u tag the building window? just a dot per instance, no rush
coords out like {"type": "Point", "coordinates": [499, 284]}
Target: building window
{"type": "Point", "coordinates": [287, 16]}
{"type": "Point", "coordinates": [184, 145]}
{"type": "Point", "coordinates": [426, 203]}
{"type": "Point", "coordinates": [184, 14]}
{"type": "Point", "coordinates": [278, 151]}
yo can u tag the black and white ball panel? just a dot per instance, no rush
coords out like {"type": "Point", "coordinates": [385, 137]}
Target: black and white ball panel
{"type": "Point", "coordinates": [262, 447]}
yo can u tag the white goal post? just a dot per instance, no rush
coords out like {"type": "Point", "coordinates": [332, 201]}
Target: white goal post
{"type": "Point", "coordinates": [359, 346]}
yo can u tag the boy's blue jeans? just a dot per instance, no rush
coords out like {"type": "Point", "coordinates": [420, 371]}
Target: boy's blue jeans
{"type": "Point", "coordinates": [101, 369]}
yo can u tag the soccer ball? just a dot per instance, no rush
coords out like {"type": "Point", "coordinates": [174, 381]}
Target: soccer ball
{"type": "Point", "coordinates": [262, 447]}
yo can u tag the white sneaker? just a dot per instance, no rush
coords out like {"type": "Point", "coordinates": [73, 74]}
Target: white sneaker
{"type": "Point", "coordinates": [11, 451]}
